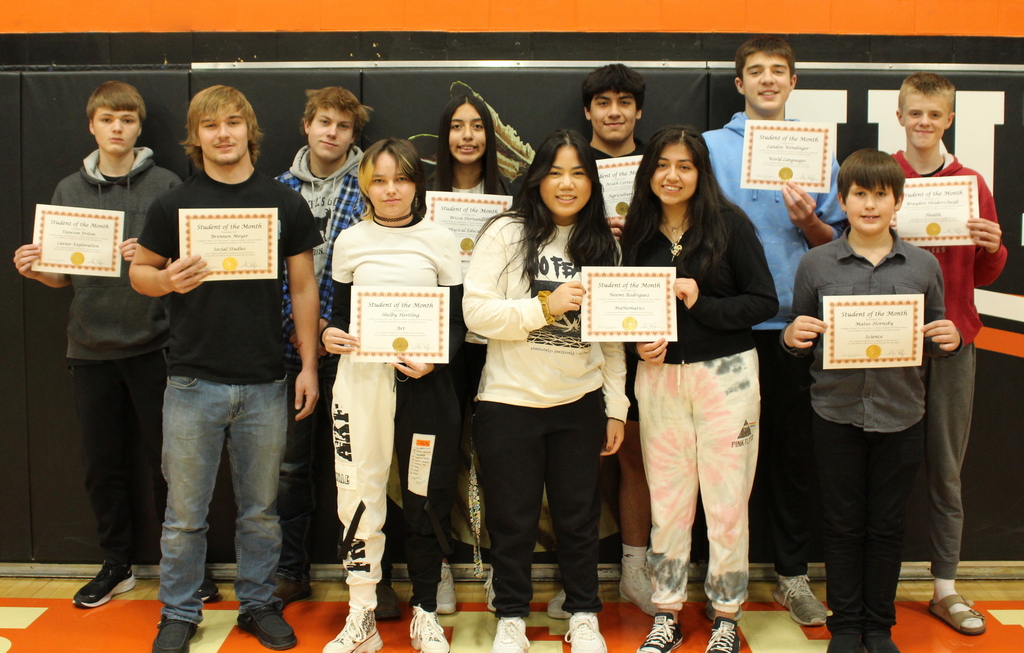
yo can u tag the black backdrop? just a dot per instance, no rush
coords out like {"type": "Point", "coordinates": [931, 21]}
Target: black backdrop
{"type": "Point", "coordinates": [44, 134]}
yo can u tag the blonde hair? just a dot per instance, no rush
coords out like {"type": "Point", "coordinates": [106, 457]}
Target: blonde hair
{"type": "Point", "coordinates": [208, 103]}
{"type": "Point", "coordinates": [116, 96]}
{"type": "Point", "coordinates": [409, 164]}
{"type": "Point", "coordinates": [928, 84]}
{"type": "Point", "coordinates": [339, 99]}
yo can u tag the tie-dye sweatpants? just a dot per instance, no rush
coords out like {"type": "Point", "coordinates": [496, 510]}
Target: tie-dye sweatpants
{"type": "Point", "coordinates": [698, 428]}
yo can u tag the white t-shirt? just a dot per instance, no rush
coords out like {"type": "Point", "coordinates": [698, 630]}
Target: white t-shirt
{"type": "Point", "coordinates": [530, 362]}
{"type": "Point", "coordinates": [369, 254]}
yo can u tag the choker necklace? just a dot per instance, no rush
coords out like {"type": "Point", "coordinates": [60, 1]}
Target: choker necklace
{"type": "Point", "coordinates": [386, 220]}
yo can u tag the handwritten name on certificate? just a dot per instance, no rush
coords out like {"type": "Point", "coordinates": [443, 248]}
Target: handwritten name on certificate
{"type": "Point", "coordinates": [617, 177]}
{"type": "Point", "coordinates": [78, 241]}
{"type": "Point", "coordinates": [777, 151]}
{"type": "Point", "coordinates": [630, 304]}
{"type": "Point", "coordinates": [873, 331]}
{"type": "Point", "coordinates": [235, 243]}
{"type": "Point", "coordinates": [464, 214]}
{"type": "Point", "coordinates": [410, 321]}
{"type": "Point", "coordinates": [936, 209]}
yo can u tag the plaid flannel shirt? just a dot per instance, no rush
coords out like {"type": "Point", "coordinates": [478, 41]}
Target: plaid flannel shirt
{"type": "Point", "coordinates": [348, 210]}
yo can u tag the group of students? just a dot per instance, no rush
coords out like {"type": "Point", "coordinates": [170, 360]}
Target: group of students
{"type": "Point", "coordinates": [735, 396]}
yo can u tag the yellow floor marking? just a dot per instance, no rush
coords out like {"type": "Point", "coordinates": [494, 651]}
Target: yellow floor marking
{"type": "Point", "coordinates": [770, 631]}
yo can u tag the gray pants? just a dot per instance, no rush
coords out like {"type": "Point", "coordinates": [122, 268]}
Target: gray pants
{"type": "Point", "coordinates": [948, 409]}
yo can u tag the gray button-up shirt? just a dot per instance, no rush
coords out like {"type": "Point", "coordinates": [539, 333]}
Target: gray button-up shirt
{"type": "Point", "coordinates": [886, 399]}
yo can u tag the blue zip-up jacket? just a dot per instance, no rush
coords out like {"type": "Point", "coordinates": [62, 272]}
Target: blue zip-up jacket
{"type": "Point", "coordinates": [783, 242]}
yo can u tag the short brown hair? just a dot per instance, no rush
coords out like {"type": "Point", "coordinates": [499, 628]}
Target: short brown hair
{"type": "Point", "coordinates": [928, 84]}
{"type": "Point", "coordinates": [211, 101]}
{"type": "Point", "coordinates": [117, 96]}
{"type": "Point", "coordinates": [339, 99]}
{"type": "Point", "coordinates": [772, 46]}
{"type": "Point", "coordinates": [871, 169]}
{"type": "Point", "coordinates": [409, 164]}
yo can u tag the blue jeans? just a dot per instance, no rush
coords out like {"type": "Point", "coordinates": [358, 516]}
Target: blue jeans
{"type": "Point", "coordinates": [198, 417]}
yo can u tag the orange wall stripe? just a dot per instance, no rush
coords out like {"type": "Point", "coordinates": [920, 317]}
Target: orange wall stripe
{"type": "Point", "coordinates": [1003, 342]}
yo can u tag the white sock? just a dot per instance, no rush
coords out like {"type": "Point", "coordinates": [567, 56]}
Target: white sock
{"type": "Point", "coordinates": [634, 555]}
{"type": "Point", "coordinates": [943, 588]}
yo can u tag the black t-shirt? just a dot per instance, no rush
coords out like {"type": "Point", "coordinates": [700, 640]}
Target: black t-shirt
{"type": "Point", "coordinates": [229, 331]}
{"type": "Point", "coordinates": [638, 149]}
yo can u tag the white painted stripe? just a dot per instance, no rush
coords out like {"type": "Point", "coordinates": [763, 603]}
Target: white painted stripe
{"type": "Point", "coordinates": [997, 304]}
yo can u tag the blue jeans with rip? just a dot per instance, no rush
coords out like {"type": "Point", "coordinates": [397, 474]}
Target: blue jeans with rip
{"type": "Point", "coordinates": [199, 417]}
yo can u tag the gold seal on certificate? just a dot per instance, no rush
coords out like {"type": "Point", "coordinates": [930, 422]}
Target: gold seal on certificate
{"type": "Point", "coordinates": [400, 320]}
{"type": "Point", "coordinates": [235, 243]}
{"type": "Point", "coordinates": [78, 241]}
{"type": "Point", "coordinates": [464, 214]}
{"type": "Point", "coordinates": [616, 177]}
{"type": "Point", "coordinates": [629, 304]}
{"type": "Point", "coordinates": [935, 210]}
{"type": "Point", "coordinates": [873, 331]}
{"type": "Point", "coordinates": [467, 245]}
{"type": "Point", "coordinates": [779, 151]}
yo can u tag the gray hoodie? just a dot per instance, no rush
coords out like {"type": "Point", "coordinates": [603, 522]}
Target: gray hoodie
{"type": "Point", "coordinates": [108, 319]}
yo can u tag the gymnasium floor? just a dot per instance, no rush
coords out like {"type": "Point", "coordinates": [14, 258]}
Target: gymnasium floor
{"type": "Point", "coordinates": [37, 616]}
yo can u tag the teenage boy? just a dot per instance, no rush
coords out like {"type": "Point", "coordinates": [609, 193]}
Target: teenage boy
{"type": "Point", "coordinates": [324, 173]}
{"type": "Point", "coordinates": [925, 110]}
{"type": "Point", "coordinates": [116, 337]}
{"type": "Point", "coordinates": [789, 222]}
{"type": "Point", "coordinates": [225, 370]}
{"type": "Point", "coordinates": [868, 423]}
{"type": "Point", "coordinates": [613, 100]}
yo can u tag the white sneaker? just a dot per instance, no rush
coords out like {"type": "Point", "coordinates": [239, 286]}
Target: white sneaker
{"type": "Point", "coordinates": [555, 610]}
{"type": "Point", "coordinates": [635, 586]}
{"type": "Point", "coordinates": [489, 588]}
{"type": "Point", "coordinates": [426, 632]}
{"type": "Point", "coordinates": [510, 636]}
{"type": "Point", "coordinates": [358, 636]}
{"type": "Point", "coordinates": [584, 634]}
{"type": "Point", "coordinates": [446, 591]}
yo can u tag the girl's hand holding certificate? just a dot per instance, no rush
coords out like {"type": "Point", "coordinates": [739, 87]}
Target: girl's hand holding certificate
{"type": "Point", "coordinates": [337, 341]}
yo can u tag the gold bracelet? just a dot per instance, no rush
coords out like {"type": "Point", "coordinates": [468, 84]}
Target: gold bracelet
{"type": "Point", "coordinates": [543, 297]}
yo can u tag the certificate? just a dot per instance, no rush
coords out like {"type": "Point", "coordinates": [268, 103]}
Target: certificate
{"type": "Point", "coordinates": [78, 241]}
{"type": "Point", "coordinates": [617, 184]}
{"type": "Point", "coordinates": [777, 151]}
{"type": "Point", "coordinates": [632, 304]}
{"type": "Point", "coordinates": [392, 321]}
{"type": "Point", "coordinates": [235, 243]}
{"type": "Point", "coordinates": [936, 209]}
{"type": "Point", "coordinates": [464, 214]}
{"type": "Point", "coordinates": [873, 331]}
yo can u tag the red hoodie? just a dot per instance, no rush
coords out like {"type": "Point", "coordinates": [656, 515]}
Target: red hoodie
{"type": "Point", "coordinates": [964, 268]}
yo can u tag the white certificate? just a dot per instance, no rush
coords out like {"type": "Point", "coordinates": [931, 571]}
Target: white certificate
{"type": "Point", "coordinates": [777, 151]}
{"type": "Point", "coordinates": [235, 243]}
{"type": "Point", "coordinates": [464, 214]}
{"type": "Point", "coordinates": [617, 183]}
{"type": "Point", "coordinates": [936, 209]}
{"type": "Point", "coordinates": [631, 304]}
{"type": "Point", "coordinates": [873, 331]}
{"type": "Point", "coordinates": [392, 321]}
{"type": "Point", "coordinates": [78, 241]}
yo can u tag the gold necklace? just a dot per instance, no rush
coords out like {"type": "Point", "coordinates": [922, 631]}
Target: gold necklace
{"type": "Point", "coordinates": [676, 247]}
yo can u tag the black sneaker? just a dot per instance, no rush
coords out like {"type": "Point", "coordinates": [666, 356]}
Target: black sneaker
{"type": "Point", "coordinates": [387, 603]}
{"type": "Point", "coordinates": [665, 635]}
{"type": "Point", "coordinates": [880, 643]}
{"type": "Point", "coordinates": [289, 590]}
{"type": "Point", "coordinates": [208, 591]}
{"type": "Point", "coordinates": [267, 624]}
{"type": "Point", "coordinates": [112, 579]}
{"type": "Point", "coordinates": [844, 643]}
{"type": "Point", "coordinates": [725, 637]}
{"type": "Point", "coordinates": [173, 636]}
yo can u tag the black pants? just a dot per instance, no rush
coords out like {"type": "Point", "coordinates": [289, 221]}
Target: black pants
{"type": "Point", "coordinates": [866, 480]}
{"type": "Point", "coordinates": [785, 459]}
{"type": "Point", "coordinates": [523, 451]}
{"type": "Point", "coordinates": [120, 407]}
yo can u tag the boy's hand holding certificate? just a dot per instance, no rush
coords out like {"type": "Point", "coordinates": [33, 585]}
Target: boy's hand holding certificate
{"type": "Point", "coordinates": [935, 210]}
{"type": "Point", "coordinates": [779, 151]}
{"type": "Point", "coordinates": [78, 241]}
{"type": "Point", "coordinates": [873, 331]}
{"type": "Point", "coordinates": [629, 304]}
{"type": "Point", "coordinates": [412, 322]}
{"type": "Point", "coordinates": [234, 243]}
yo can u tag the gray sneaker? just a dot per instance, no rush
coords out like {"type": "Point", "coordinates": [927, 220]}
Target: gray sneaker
{"type": "Point", "coordinates": [794, 594]}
